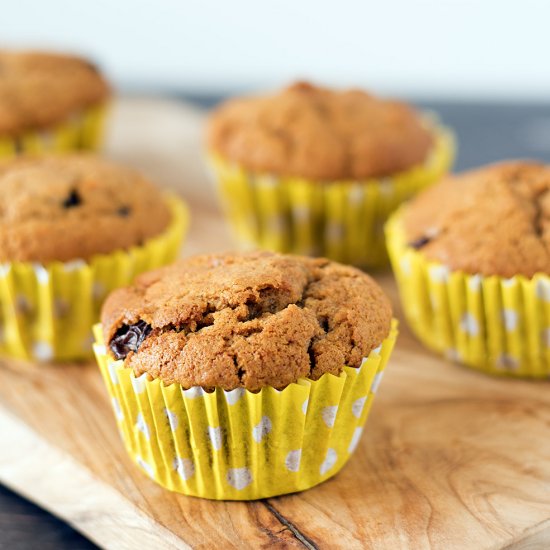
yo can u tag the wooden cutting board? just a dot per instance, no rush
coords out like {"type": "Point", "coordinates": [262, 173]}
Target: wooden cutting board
{"type": "Point", "coordinates": [450, 458]}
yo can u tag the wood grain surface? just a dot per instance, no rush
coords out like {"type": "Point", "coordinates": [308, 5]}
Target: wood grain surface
{"type": "Point", "coordinates": [450, 458]}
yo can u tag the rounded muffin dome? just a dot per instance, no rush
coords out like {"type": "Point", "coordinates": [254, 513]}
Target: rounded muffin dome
{"type": "Point", "coordinates": [246, 320]}
{"type": "Point", "coordinates": [73, 207]}
{"type": "Point", "coordinates": [490, 221]}
{"type": "Point", "coordinates": [318, 133]}
{"type": "Point", "coordinates": [40, 89]}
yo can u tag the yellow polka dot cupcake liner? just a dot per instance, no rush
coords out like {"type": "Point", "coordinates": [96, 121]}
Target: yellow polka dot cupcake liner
{"type": "Point", "coordinates": [492, 324]}
{"type": "Point", "coordinates": [82, 131]}
{"type": "Point", "coordinates": [239, 445]}
{"type": "Point", "coordinates": [340, 220]}
{"type": "Point", "coordinates": [47, 311]}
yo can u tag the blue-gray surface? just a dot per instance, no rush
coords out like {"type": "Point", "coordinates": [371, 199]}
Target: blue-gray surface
{"type": "Point", "coordinates": [486, 132]}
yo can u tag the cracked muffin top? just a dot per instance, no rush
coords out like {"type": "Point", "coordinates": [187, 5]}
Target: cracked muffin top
{"type": "Point", "coordinates": [39, 89]}
{"type": "Point", "coordinates": [490, 221]}
{"type": "Point", "coordinates": [69, 207]}
{"type": "Point", "coordinates": [318, 133]}
{"type": "Point", "coordinates": [246, 320]}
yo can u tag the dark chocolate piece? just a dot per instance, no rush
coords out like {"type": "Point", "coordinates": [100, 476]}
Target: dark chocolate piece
{"type": "Point", "coordinates": [128, 338]}
{"type": "Point", "coordinates": [420, 242]}
{"type": "Point", "coordinates": [72, 200]}
{"type": "Point", "coordinates": [124, 211]}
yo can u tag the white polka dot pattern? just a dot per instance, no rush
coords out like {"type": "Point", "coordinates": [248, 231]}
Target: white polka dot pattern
{"type": "Point", "coordinates": [334, 231]}
{"type": "Point", "coordinates": [146, 466]}
{"type": "Point", "coordinates": [406, 265]}
{"type": "Point", "coordinates": [112, 366]}
{"type": "Point", "coordinates": [261, 429]}
{"type": "Point", "coordinates": [363, 362]}
{"type": "Point", "coordinates": [506, 361]}
{"type": "Point", "coordinates": [510, 319]}
{"type": "Point", "coordinates": [142, 426]}
{"type": "Point", "coordinates": [292, 460]}
{"type": "Point", "coordinates": [439, 273]}
{"type": "Point", "coordinates": [453, 355]}
{"type": "Point", "coordinates": [42, 351]}
{"type": "Point", "coordinates": [543, 289]}
{"type": "Point", "coordinates": [301, 213]}
{"type": "Point", "coordinates": [193, 393]}
{"type": "Point", "coordinates": [98, 291]}
{"type": "Point", "coordinates": [355, 439]}
{"type": "Point", "coordinates": [329, 415]}
{"type": "Point", "coordinates": [233, 396]}
{"type": "Point", "coordinates": [101, 349]}
{"type": "Point", "coordinates": [357, 406]}
{"type": "Point", "coordinates": [509, 283]}
{"type": "Point", "coordinates": [184, 467]}
{"type": "Point", "coordinates": [239, 478]}
{"type": "Point", "coordinates": [474, 283]}
{"type": "Point", "coordinates": [469, 324]}
{"type": "Point", "coordinates": [215, 436]}
{"type": "Point", "coordinates": [138, 384]}
{"type": "Point", "coordinates": [376, 382]}
{"type": "Point", "coordinates": [330, 460]}
{"type": "Point", "coordinates": [118, 410]}
{"type": "Point", "coordinates": [74, 265]}
{"type": "Point", "coordinates": [173, 419]}
{"type": "Point", "coordinates": [42, 275]}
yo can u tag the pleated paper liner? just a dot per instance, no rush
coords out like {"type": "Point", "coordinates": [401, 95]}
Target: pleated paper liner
{"type": "Point", "coordinates": [341, 220]}
{"type": "Point", "coordinates": [82, 131]}
{"type": "Point", "coordinates": [47, 311]}
{"type": "Point", "coordinates": [239, 445]}
{"type": "Point", "coordinates": [495, 325]}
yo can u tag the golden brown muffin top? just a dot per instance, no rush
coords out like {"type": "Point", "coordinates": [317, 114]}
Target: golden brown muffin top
{"type": "Point", "coordinates": [491, 221]}
{"type": "Point", "coordinates": [246, 320]}
{"type": "Point", "coordinates": [69, 207]}
{"type": "Point", "coordinates": [39, 89]}
{"type": "Point", "coordinates": [318, 133]}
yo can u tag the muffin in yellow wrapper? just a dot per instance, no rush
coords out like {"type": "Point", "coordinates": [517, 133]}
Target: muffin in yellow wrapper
{"type": "Point", "coordinates": [239, 445]}
{"type": "Point", "coordinates": [493, 324]}
{"type": "Point", "coordinates": [47, 311]}
{"type": "Point", "coordinates": [341, 220]}
{"type": "Point", "coordinates": [83, 131]}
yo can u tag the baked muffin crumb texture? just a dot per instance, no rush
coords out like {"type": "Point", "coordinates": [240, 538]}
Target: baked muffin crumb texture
{"type": "Point", "coordinates": [41, 89]}
{"type": "Point", "coordinates": [73, 207]}
{"type": "Point", "coordinates": [321, 134]}
{"type": "Point", "coordinates": [246, 320]}
{"type": "Point", "coordinates": [490, 221]}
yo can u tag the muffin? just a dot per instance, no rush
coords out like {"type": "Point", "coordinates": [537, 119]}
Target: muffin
{"type": "Point", "coordinates": [244, 376]}
{"type": "Point", "coordinates": [49, 102]}
{"type": "Point", "coordinates": [316, 171]}
{"type": "Point", "coordinates": [72, 229]}
{"type": "Point", "coordinates": [472, 263]}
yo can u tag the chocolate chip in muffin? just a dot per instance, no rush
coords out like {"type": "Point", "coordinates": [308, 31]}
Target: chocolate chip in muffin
{"type": "Point", "coordinates": [420, 242]}
{"type": "Point", "coordinates": [128, 338]}
{"type": "Point", "coordinates": [124, 211]}
{"type": "Point", "coordinates": [423, 240]}
{"type": "Point", "coordinates": [72, 200]}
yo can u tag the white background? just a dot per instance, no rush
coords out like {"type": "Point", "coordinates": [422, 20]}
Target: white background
{"type": "Point", "coordinates": [430, 48]}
